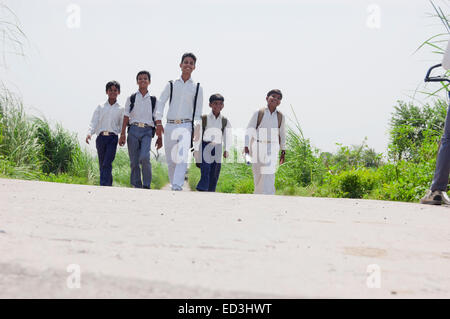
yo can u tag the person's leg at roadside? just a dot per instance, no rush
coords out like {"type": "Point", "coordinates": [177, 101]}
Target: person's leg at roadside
{"type": "Point", "coordinates": [437, 194]}
{"type": "Point", "coordinates": [134, 151]}
{"type": "Point", "coordinates": [144, 158]}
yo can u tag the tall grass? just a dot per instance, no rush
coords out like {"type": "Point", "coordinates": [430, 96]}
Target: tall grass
{"type": "Point", "coordinates": [18, 140]}
{"type": "Point", "coordinates": [31, 148]}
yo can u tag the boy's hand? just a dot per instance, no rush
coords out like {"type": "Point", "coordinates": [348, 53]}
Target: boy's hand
{"type": "Point", "coordinates": [88, 137]}
{"type": "Point", "coordinates": [159, 143]}
{"type": "Point", "coordinates": [225, 154]}
{"type": "Point", "coordinates": [159, 130]}
{"type": "Point", "coordinates": [282, 160]}
{"type": "Point", "coordinates": [122, 139]}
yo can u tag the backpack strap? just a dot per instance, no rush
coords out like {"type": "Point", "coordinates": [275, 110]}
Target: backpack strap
{"type": "Point", "coordinates": [132, 100]}
{"type": "Point", "coordinates": [260, 117]}
{"type": "Point", "coordinates": [280, 119]}
{"type": "Point", "coordinates": [204, 123]}
{"type": "Point", "coordinates": [171, 91]}
{"type": "Point", "coordinates": [224, 123]}
{"type": "Point", "coordinates": [193, 115]}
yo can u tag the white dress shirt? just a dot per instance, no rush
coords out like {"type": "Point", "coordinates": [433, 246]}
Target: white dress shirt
{"type": "Point", "coordinates": [182, 105]}
{"type": "Point", "coordinates": [213, 131]}
{"type": "Point", "coordinates": [108, 118]}
{"type": "Point", "coordinates": [264, 132]}
{"type": "Point", "coordinates": [142, 110]}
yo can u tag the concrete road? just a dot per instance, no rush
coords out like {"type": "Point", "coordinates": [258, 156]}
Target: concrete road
{"type": "Point", "coordinates": [127, 243]}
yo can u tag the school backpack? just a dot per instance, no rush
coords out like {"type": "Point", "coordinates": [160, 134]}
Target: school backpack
{"type": "Point", "coordinates": [153, 100]}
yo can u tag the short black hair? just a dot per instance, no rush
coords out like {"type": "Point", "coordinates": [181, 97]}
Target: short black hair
{"type": "Point", "coordinates": [275, 91]}
{"type": "Point", "coordinates": [189, 55]}
{"type": "Point", "coordinates": [216, 97]}
{"type": "Point", "coordinates": [111, 84]}
{"type": "Point", "coordinates": [143, 72]}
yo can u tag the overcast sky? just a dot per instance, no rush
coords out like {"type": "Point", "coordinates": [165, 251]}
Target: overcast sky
{"type": "Point", "coordinates": [341, 64]}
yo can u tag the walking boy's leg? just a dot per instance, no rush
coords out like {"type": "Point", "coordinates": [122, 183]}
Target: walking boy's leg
{"type": "Point", "coordinates": [184, 142]}
{"type": "Point", "coordinates": [215, 168]}
{"type": "Point", "coordinates": [205, 169]}
{"type": "Point", "coordinates": [144, 158]}
{"type": "Point", "coordinates": [169, 145]}
{"type": "Point", "coordinates": [101, 149]}
{"type": "Point", "coordinates": [134, 151]}
{"type": "Point", "coordinates": [110, 155]}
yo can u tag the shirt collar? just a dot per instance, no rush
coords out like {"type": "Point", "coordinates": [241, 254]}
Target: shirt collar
{"type": "Point", "coordinates": [267, 109]}
{"type": "Point", "coordinates": [139, 92]}
{"type": "Point", "coordinates": [107, 103]}
{"type": "Point", "coordinates": [190, 80]}
{"type": "Point", "coordinates": [211, 115]}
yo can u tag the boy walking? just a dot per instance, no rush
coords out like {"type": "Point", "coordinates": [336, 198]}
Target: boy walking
{"type": "Point", "coordinates": [105, 123]}
{"type": "Point", "coordinates": [215, 130]}
{"type": "Point", "coordinates": [139, 110]}
{"type": "Point", "coordinates": [185, 106]}
{"type": "Point", "coordinates": [265, 136]}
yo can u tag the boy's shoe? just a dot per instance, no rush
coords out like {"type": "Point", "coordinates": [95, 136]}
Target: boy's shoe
{"type": "Point", "coordinates": [435, 198]}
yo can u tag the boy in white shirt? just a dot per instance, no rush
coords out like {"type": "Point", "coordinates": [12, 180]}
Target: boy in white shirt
{"type": "Point", "coordinates": [106, 123]}
{"type": "Point", "coordinates": [215, 131]}
{"type": "Point", "coordinates": [265, 136]}
{"type": "Point", "coordinates": [185, 106]}
{"type": "Point", "coordinates": [139, 118]}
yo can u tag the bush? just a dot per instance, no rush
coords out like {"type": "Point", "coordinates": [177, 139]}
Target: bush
{"type": "Point", "coordinates": [356, 183]}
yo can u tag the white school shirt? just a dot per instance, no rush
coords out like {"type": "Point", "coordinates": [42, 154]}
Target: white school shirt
{"type": "Point", "coordinates": [106, 117]}
{"type": "Point", "coordinates": [214, 129]}
{"type": "Point", "coordinates": [182, 105]}
{"type": "Point", "coordinates": [142, 110]}
{"type": "Point", "coordinates": [268, 122]}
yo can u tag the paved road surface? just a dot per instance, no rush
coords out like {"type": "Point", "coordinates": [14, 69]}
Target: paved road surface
{"type": "Point", "coordinates": [164, 244]}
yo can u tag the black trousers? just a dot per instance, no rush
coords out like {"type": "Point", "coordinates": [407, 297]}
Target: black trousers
{"type": "Point", "coordinates": [106, 150]}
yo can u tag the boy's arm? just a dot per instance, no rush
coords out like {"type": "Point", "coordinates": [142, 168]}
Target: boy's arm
{"type": "Point", "coordinates": [251, 131]}
{"type": "Point", "coordinates": [123, 134]}
{"type": "Point", "coordinates": [93, 125]}
{"type": "Point", "coordinates": [198, 115]}
{"type": "Point", "coordinates": [159, 110]}
{"type": "Point", "coordinates": [227, 138]}
{"type": "Point", "coordinates": [126, 120]}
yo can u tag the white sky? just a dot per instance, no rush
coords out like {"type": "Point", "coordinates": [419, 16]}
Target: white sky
{"type": "Point", "coordinates": [341, 77]}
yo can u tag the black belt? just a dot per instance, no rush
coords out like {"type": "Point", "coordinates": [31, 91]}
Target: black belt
{"type": "Point", "coordinates": [141, 125]}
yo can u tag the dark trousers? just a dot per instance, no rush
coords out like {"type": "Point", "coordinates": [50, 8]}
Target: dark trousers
{"type": "Point", "coordinates": [210, 167]}
{"type": "Point", "coordinates": [106, 150]}
{"type": "Point", "coordinates": [440, 180]}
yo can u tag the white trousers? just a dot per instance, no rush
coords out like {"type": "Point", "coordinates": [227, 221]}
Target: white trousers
{"type": "Point", "coordinates": [177, 141]}
{"type": "Point", "coordinates": [265, 162]}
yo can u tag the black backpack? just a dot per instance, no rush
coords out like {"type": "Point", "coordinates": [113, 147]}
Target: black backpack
{"type": "Point", "coordinates": [153, 100]}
